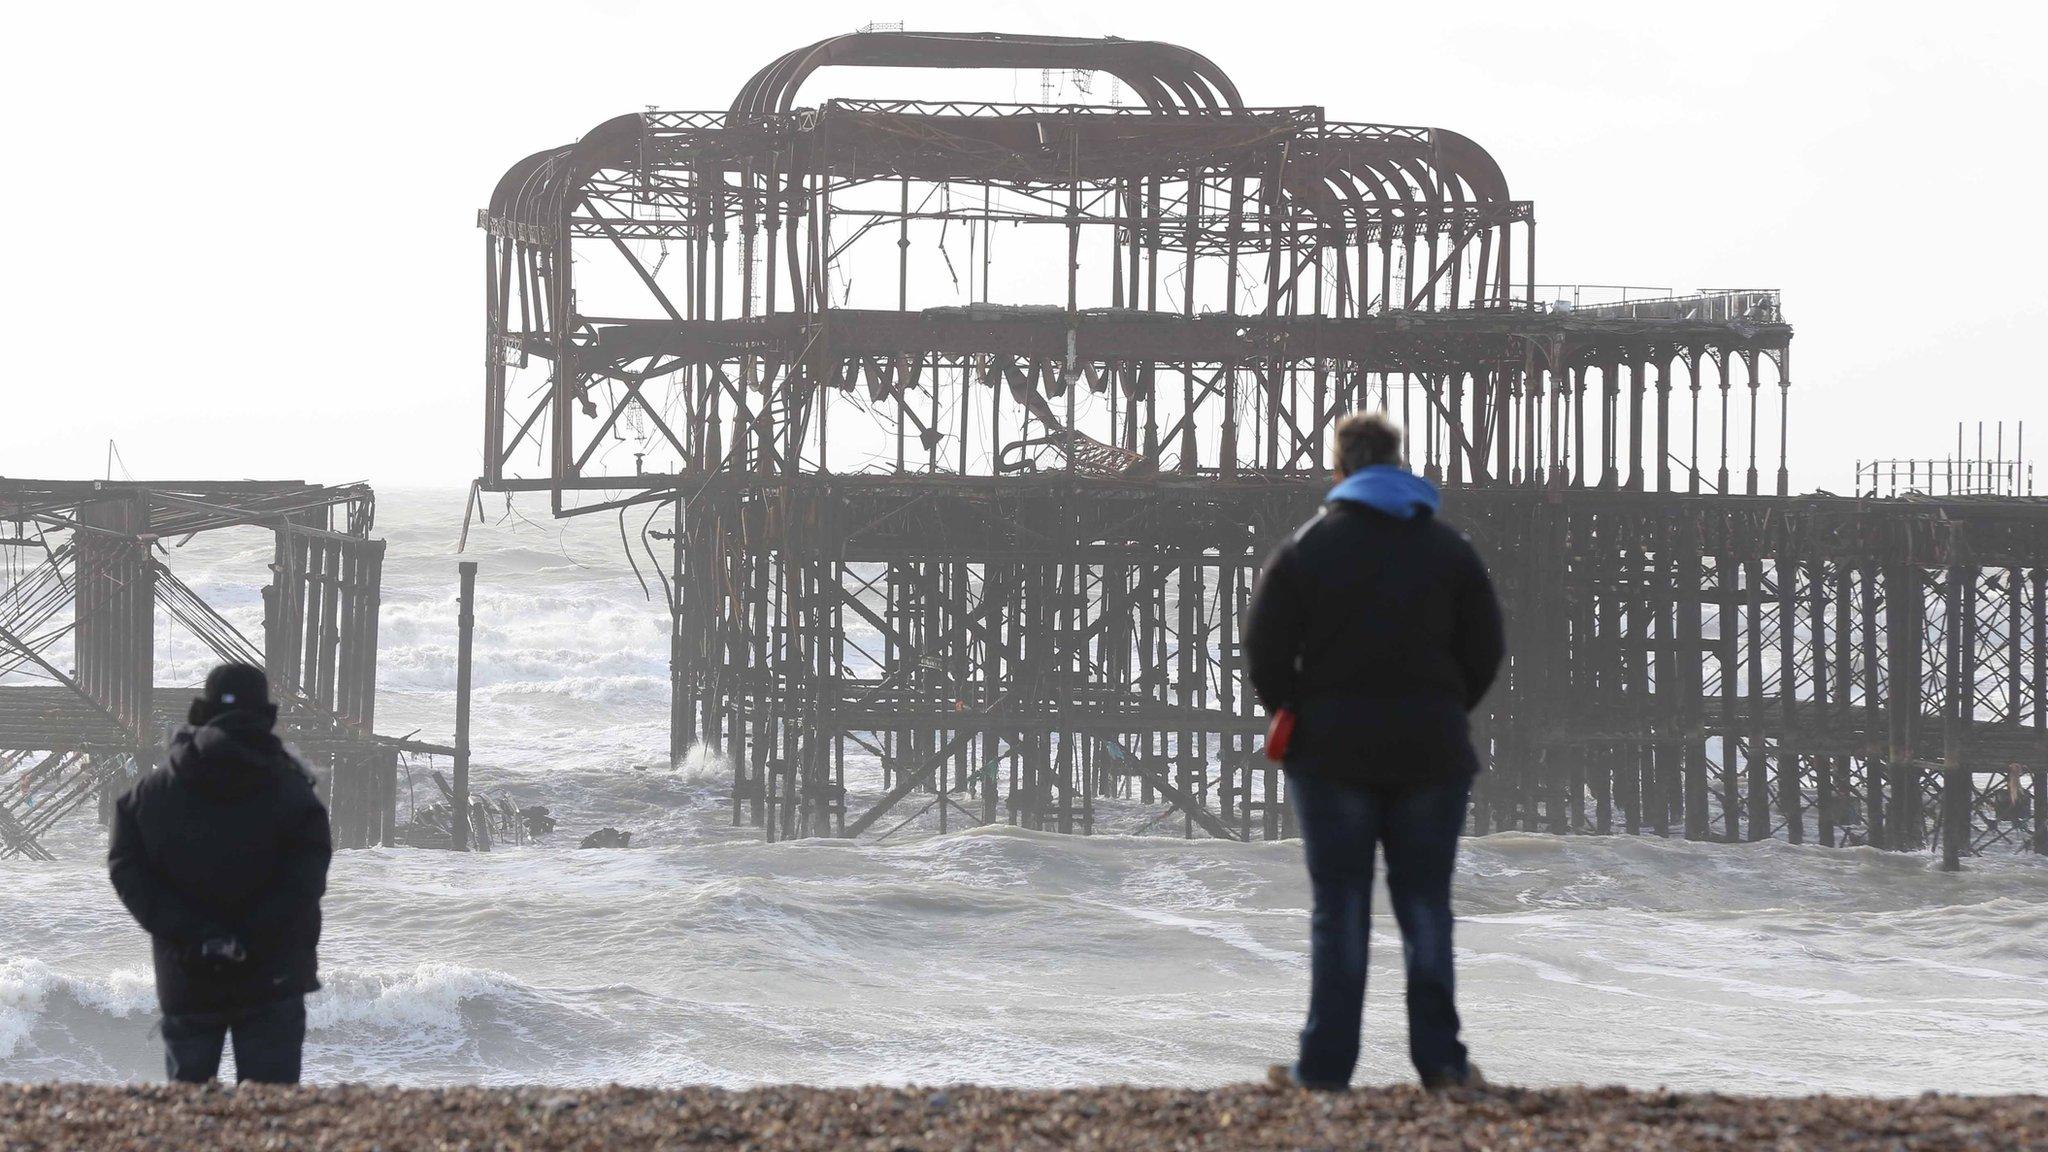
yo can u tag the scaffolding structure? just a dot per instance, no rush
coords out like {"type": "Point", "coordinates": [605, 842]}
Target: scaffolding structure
{"type": "Point", "coordinates": [86, 582]}
{"type": "Point", "coordinates": [963, 427]}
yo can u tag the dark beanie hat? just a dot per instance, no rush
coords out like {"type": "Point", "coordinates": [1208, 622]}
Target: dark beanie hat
{"type": "Point", "coordinates": [236, 686]}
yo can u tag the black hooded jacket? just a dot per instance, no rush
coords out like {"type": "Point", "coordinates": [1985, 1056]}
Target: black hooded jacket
{"type": "Point", "coordinates": [228, 841]}
{"type": "Point", "coordinates": [1382, 633]}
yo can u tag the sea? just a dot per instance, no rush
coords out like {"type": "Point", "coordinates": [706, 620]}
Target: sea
{"type": "Point", "coordinates": [703, 955]}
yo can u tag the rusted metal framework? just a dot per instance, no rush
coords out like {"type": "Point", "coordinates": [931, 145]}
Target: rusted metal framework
{"type": "Point", "coordinates": [86, 582]}
{"type": "Point", "coordinates": [1987, 473]}
{"type": "Point", "coordinates": [964, 427]}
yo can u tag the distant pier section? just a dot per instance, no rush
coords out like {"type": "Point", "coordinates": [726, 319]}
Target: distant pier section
{"type": "Point", "coordinates": [85, 581]}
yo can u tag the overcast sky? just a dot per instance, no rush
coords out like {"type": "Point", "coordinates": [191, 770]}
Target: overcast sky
{"type": "Point", "coordinates": [243, 238]}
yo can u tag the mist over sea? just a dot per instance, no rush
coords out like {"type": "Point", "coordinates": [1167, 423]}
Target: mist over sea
{"type": "Point", "coordinates": [994, 955]}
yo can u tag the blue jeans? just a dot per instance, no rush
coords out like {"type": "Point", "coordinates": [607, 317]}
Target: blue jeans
{"type": "Point", "coordinates": [268, 1041]}
{"type": "Point", "coordinates": [1340, 825]}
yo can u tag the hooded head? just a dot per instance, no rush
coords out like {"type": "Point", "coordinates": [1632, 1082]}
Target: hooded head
{"type": "Point", "coordinates": [228, 749]}
{"type": "Point", "coordinates": [233, 688]}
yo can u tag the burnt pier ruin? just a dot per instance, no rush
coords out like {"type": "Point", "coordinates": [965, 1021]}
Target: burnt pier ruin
{"type": "Point", "coordinates": [85, 582]}
{"type": "Point", "coordinates": [956, 432]}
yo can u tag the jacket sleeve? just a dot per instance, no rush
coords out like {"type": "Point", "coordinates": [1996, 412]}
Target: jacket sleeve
{"type": "Point", "coordinates": [304, 850]}
{"type": "Point", "coordinates": [1273, 630]}
{"type": "Point", "coordinates": [158, 907]}
{"type": "Point", "coordinates": [1482, 640]}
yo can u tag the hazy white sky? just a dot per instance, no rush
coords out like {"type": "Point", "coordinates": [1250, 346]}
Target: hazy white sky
{"type": "Point", "coordinates": [243, 237]}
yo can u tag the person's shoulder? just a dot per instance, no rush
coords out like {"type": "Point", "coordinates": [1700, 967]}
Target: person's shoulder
{"type": "Point", "coordinates": [291, 778]}
{"type": "Point", "coordinates": [1318, 522]}
{"type": "Point", "coordinates": [154, 781]}
{"type": "Point", "coordinates": [293, 768]}
{"type": "Point", "coordinates": [1450, 533]}
{"type": "Point", "coordinates": [1302, 535]}
{"type": "Point", "coordinates": [1455, 543]}
{"type": "Point", "coordinates": [150, 793]}
{"type": "Point", "coordinates": [160, 778]}
{"type": "Point", "coordinates": [1341, 528]}
{"type": "Point", "coordinates": [295, 777]}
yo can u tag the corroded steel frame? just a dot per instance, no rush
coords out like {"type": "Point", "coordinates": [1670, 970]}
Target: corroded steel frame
{"type": "Point", "coordinates": [994, 536]}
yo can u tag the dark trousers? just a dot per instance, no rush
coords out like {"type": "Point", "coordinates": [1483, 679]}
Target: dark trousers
{"type": "Point", "coordinates": [268, 1041]}
{"type": "Point", "coordinates": [1340, 825]}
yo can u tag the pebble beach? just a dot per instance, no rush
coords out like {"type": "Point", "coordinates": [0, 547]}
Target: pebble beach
{"type": "Point", "coordinates": [352, 1118]}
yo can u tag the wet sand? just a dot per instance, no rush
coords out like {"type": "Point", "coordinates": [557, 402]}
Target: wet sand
{"type": "Point", "coordinates": [353, 1117]}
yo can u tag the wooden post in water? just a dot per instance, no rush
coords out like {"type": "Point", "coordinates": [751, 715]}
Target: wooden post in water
{"type": "Point", "coordinates": [458, 816]}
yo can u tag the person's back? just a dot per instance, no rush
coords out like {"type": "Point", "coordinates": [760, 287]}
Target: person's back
{"type": "Point", "coordinates": [1381, 633]}
{"type": "Point", "coordinates": [222, 857]}
{"type": "Point", "coordinates": [1377, 626]}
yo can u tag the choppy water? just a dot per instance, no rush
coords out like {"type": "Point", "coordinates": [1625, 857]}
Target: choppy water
{"type": "Point", "coordinates": [992, 955]}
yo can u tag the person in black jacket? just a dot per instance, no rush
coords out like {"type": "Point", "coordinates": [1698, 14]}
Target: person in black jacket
{"type": "Point", "coordinates": [1376, 624]}
{"type": "Point", "coordinates": [222, 857]}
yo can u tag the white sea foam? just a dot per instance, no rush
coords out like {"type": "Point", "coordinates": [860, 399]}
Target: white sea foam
{"type": "Point", "coordinates": [612, 690]}
{"type": "Point", "coordinates": [429, 996]}
{"type": "Point", "coordinates": [31, 989]}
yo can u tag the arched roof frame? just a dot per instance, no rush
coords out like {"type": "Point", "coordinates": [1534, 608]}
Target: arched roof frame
{"type": "Point", "coordinates": [1166, 76]}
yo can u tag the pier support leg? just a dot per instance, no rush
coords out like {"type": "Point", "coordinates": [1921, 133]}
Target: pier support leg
{"type": "Point", "coordinates": [458, 816]}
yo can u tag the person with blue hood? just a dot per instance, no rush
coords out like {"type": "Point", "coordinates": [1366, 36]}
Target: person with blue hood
{"type": "Point", "coordinates": [222, 857]}
{"type": "Point", "coordinates": [1376, 626]}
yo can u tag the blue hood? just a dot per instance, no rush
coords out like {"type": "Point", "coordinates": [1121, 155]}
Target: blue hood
{"type": "Point", "coordinates": [1390, 489]}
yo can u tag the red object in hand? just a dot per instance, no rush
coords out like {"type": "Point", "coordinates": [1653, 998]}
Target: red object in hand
{"type": "Point", "coordinates": [1278, 733]}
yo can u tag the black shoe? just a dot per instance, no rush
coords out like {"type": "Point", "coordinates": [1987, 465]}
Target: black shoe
{"type": "Point", "coordinates": [1283, 1076]}
{"type": "Point", "coordinates": [1472, 1078]}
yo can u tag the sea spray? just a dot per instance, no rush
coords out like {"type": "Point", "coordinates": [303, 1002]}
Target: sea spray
{"type": "Point", "coordinates": [703, 764]}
